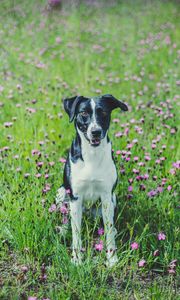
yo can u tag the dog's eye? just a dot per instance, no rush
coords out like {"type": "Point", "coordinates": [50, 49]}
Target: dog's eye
{"type": "Point", "coordinates": [84, 113]}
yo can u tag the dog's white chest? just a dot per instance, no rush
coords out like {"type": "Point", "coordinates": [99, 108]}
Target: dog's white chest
{"type": "Point", "coordinates": [95, 175]}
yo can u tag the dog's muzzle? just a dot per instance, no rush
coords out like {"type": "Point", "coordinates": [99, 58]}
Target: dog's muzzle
{"type": "Point", "coordinates": [96, 136]}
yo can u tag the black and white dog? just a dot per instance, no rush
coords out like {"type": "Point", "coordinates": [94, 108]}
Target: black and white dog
{"type": "Point", "coordinates": [90, 173]}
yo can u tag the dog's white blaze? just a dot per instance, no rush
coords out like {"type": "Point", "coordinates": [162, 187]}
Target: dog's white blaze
{"type": "Point", "coordinates": [93, 124]}
{"type": "Point", "coordinates": [93, 105]}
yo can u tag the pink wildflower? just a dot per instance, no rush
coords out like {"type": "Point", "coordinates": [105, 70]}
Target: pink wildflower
{"type": "Point", "coordinates": [115, 120]}
{"type": "Point", "coordinates": [173, 264]}
{"type": "Point", "coordinates": [38, 175]}
{"type": "Point", "coordinates": [35, 151]}
{"type": "Point", "coordinates": [31, 110]}
{"type": "Point", "coordinates": [58, 40]}
{"type": "Point", "coordinates": [171, 271]}
{"type": "Point", "coordinates": [141, 263]}
{"type": "Point", "coordinates": [5, 148]}
{"type": "Point", "coordinates": [62, 160]}
{"type": "Point", "coordinates": [135, 171]}
{"type": "Point", "coordinates": [26, 175]}
{"type": "Point", "coordinates": [156, 252]}
{"type": "Point", "coordinates": [162, 158]}
{"type": "Point", "coordinates": [40, 164]}
{"type": "Point", "coordinates": [138, 178]}
{"type": "Point", "coordinates": [8, 124]}
{"type": "Point", "coordinates": [146, 176]}
{"type": "Point", "coordinates": [122, 171]}
{"type": "Point", "coordinates": [126, 131]}
{"type": "Point", "coordinates": [100, 231]}
{"type": "Point", "coordinates": [129, 146]}
{"type": "Point", "coordinates": [118, 152]}
{"type": "Point", "coordinates": [153, 146]}
{"type": "Point", "coordinates": [134, 246]}
{"type": "Point", "coordinates": [130, 188]}
{"type": "Point", "coordinates": [47, 188]}
{"type": "Point", "coordinates": [141, 164]}
{"type": "Point", "coordinates": [99, 246]}
{"type": "Point", "coordinates": [176, 165]}
{"type": "Point", "coordinates": [24, 269]}
{"type": "Point", "coordinates": [118, 134]}
{"type": "Point", "coordinates": [63, 210]}
{"type": "Point", "coordinates": [172, 131]}
{"type": "Point", "coordinates": [161, 236]}
{"type": "Point", "coordinates": [135, 141]}
{"type": "Point", "coordinates": [65, 220]}
{"type": "Point", "coordinates": [167, 40]}
{"type": "Point", "coordinates": [159, 189]}
{"type": "Point", "coordinates": [172, 171]}
{"type": "Point", "coordinates": [52, 208]}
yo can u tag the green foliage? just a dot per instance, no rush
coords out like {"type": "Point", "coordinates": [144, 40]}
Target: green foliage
{"type": "Point", "coordinates": [128, 49]}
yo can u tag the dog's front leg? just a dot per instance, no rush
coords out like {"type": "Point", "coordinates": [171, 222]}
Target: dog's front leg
{"type": "Point", "coordinates": [76, 217]}
{"type": "Point", "coordinates": [108, 206]}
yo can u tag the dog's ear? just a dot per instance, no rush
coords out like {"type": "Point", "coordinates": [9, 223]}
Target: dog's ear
{"type": "Point", "coordinates": [114, 103]}
{"type": "Point", "coordinates": [70, 105]}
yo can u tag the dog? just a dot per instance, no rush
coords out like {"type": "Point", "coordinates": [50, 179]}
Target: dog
{"type": "Point", "coordinates": [90, 172]}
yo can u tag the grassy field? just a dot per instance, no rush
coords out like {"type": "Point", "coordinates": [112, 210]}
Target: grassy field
{"type": "Point", "coordinates": [128, 49]}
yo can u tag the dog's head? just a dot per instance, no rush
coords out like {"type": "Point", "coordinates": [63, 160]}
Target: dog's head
{"type": "Point", "coordinates": [92, 115]}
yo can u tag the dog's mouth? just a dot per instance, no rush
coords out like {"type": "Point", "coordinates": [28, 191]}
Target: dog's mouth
{"type": "Point", "coordinates": [95, 141]}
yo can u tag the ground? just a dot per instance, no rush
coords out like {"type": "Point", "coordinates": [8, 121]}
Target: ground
{"type": "Point", "coordinates": [125, 48]}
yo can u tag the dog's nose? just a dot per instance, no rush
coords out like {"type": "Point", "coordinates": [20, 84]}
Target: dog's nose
{"type": "Point", "coordinates": [96, 132]}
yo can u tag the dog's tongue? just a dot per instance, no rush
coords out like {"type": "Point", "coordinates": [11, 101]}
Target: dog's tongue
{"type": "Point", "coordinates": [95, 142]}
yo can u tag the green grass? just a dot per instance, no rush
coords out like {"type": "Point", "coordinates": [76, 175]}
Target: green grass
{"type": "Point", "coordinates": [128, 49]}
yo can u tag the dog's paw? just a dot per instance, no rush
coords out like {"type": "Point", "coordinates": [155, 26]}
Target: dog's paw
{"type": "Point", "coordinates": [76, 259]}
{"type": "Point", "coordinates": [62, 230]}
{"type": "Point", "coordinates": [112, 261]}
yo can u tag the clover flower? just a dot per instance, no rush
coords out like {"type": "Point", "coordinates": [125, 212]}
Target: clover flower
{"type": "Point", "coordinates": [161, 236]}
{"type": "Point", "coordinates": [141, 263]}
{"type": "Point", "coordinates": [64, 210]}
{"type": "Point", "coordinates": [100, 231]}
{"type": "Point", "coordinates": [52, 208]}
{"type": "Point", "coordinates": [134, 246]}
{"type": "Point", "coordinates": [156, 252]}
{"type": "Point", "coordinates": [99, 246]}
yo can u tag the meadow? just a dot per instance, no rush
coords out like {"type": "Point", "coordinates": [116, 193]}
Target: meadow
{"type": "Point", "coordinates": [129, 49]}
